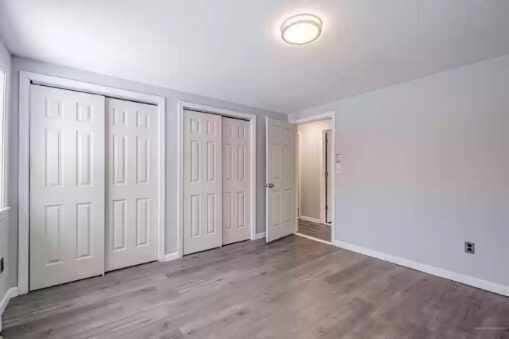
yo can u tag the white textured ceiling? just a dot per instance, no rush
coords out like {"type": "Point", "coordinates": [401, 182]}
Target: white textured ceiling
{"type": "Point", "coordinates": [230, 49]}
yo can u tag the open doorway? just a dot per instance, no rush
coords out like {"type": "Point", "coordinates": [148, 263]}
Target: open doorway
{"type": "Point", "coordinates": [315, 160]}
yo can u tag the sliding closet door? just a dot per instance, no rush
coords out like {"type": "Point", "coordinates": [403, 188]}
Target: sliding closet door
{"type": "Point", "coordinates": [133, 183]}
{"type": "Point", "coordinates": [202, 182]}
{"type": "Point", "coordinates": [236, 204]}
{"type": "Point", "coordinates": [66, 186]}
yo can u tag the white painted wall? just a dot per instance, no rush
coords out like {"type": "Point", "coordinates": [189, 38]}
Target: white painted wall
{"type": "Point", "coordinates": [310, 167]}
{"type": "Point", "coordinates": [172, 98]}
{"type": "Point", "coordinates": [426, 167]}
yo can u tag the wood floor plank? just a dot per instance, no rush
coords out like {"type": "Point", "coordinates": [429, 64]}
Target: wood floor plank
{"type": "Point", "coordinates": [292, 288]}
{"type": "Point", "coordinates": [315, 230]}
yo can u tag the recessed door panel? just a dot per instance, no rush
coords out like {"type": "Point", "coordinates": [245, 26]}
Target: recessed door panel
{"type": "Point", "coordinates": [84, 158]}
{"type": "Point", "coordinates": [211, 213]}
{"type": "Point", "coordinates": [119, 158]}
{"type": "Point", "coordinates": [142, 160]}
{"type": "Point", "coordinates": [66, 186]}
{"type": "Point", "coordinates": [202, 169]}
{"type": "Point", "coordinates": [53, 233]}
{"type": "Point", "coordinates": [119, 224]}
{"type": "Point", "coordinates": [83, 112]}
{"type": "Point", "coordinates": [132, 195]}
{"type": "Point", "coordinates": [211, 161]}
{"type": "Point", "coordinates": [83, 229]}
{"type": "Point", "coordinates": [236, 184]}
{"type": "Point", "coordinates": [53, 157]}
{"type": "Point", "coordinates": [143, 216]}
{"type": "Point", "coordinates": [195, 216]}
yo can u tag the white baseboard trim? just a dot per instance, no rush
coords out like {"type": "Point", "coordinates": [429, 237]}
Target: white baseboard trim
{"type": "Point", "coordinates": [313, 238]}
{"type": "Point", "coordinates": [170, 257]}
{"type": "Point", "coordinates": [259, 236]}
{"type": "Point", "coordinates": [11, 293]}
{"type": "Point", "coordinates": [315, 220]}
{"type": "Point", "coordinates": [439, 272]}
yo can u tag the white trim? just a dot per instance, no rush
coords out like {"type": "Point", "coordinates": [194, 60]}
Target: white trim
{"type": "Point", "coordinates": [313, 238]}
{"type": "Point", "coordinates": [322, 179]}
{"type": "Point", "coordinates": [181, 106]}
{"type": "Point", "coordinates": [170, 257]}
{"type": "Point", "coordinates": [317, 117]}
{"type": "Point", "coordinates": [4, 140]}
{"type": "Point", "coordinates": [25, 79]}
{"type": "Point", "coordinates": [311, 219]}
{"type": "Point", "coordinates": [11, 293]}
{"type": "Point", "coordinates": [324, 170]}
{"type": "Point", "coordinates": [323, 116]}
{"type": "Point", "coordinates": [439, 272]}
{"type": "Point", "coordinates": [259, 236]}
{"type": "Point", "coordinates": [299, 172]}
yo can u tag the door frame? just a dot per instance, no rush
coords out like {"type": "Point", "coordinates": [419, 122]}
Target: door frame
{"type": "Point", "coordinates": [181, 107]}
{"type": "Point", "coordinates": [317, 117]}
{"type": "Point", "coordinates": [298, 173]}
{"type": "Point", "coordinates": [25, 80]}
{"type": "Point", "coordinates": [324, 169]}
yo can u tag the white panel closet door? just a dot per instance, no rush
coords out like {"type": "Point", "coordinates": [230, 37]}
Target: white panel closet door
{"type": "Point", "coordinates": [281, 183]}
{"type": "Point", "coordinates": [236, 177]}
{"type": "Point", "coordinates": [202, 182]}
{"type": "Point", "coordinates": [66, 186]}
{"type": "Point", "coordinates": [133, 183]}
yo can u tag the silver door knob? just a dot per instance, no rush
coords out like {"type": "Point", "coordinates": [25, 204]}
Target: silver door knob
{"type": "Point", "coordinates": [271, 185]}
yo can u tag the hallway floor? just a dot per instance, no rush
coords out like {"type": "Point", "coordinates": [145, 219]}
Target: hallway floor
{"type": "Point", "coordinates": [315, 230]}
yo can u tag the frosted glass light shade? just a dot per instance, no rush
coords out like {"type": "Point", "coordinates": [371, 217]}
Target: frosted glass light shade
{"type": "Point", "coordinates": [301, 29]}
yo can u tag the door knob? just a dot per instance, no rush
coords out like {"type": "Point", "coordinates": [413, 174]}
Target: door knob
{"type": "Point", "coordinates": [271, 185]}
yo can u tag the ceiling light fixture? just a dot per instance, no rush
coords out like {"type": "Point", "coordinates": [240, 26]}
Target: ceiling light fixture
{"type": "Point", "coordinates": [301, 29]}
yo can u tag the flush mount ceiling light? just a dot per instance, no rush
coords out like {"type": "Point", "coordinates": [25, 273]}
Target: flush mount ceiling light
{"type": "Point", "coordinates": [301, 29]}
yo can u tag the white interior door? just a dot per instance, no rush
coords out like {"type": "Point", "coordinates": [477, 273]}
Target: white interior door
{"type": "Point", "coordinates": [133, 183]}
{"type": "Point", "coordinates": [202, 210]}
{"type": "Point", "coordinates": [281, 182]}
{"type": "Point", "coordinates": [236, 177]}
{"type": "Point", "coordinates": [66, 186]}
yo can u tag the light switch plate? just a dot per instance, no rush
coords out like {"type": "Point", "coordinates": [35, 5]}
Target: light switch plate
{"type": "Point", "coordinates": [339, 158]}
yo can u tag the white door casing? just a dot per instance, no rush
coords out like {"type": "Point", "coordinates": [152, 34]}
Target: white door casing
{"type": "Point", "coordinates": [133, 179]}
{"type": "Point", "coordinates": [236, 180]}
{"type": "Point", "coordinates": [329, 173]}
{"type": "Point", "coordinates": [281, 198]}
{"type": "Point", "coordinates": [202, 178]}
{"type": "Point", "coordinates": [66, 186]}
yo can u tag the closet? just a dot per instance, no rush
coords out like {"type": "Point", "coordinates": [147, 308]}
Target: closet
{"type": "Point", "coordinates": [93, 185]}
{"type": "Point", "coordinates": [216, 168]}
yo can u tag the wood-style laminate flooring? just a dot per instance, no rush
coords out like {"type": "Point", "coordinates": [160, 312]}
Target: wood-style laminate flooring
{"type": "Point", "coordinates": [315, 230]}
{"type": "Point", "coordinates": [293, 288]}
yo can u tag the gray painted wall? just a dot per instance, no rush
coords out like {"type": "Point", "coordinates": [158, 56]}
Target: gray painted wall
{"type": "Point", "coordinates": [426, 167]}
{"type": "Point", "coordinates": [172, 97]}
{"type": "Point", "coordinates": [311, 153]}
{"type": "Point", "coordinates": [6, 231]}
{"type": "Point", "coordinates": [6, 277]}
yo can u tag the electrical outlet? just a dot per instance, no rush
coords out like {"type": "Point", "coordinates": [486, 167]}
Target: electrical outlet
{"type": "Point", "coordinates": [469, 247]}
{"type": "Point", "coordinates": [2, 266]}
